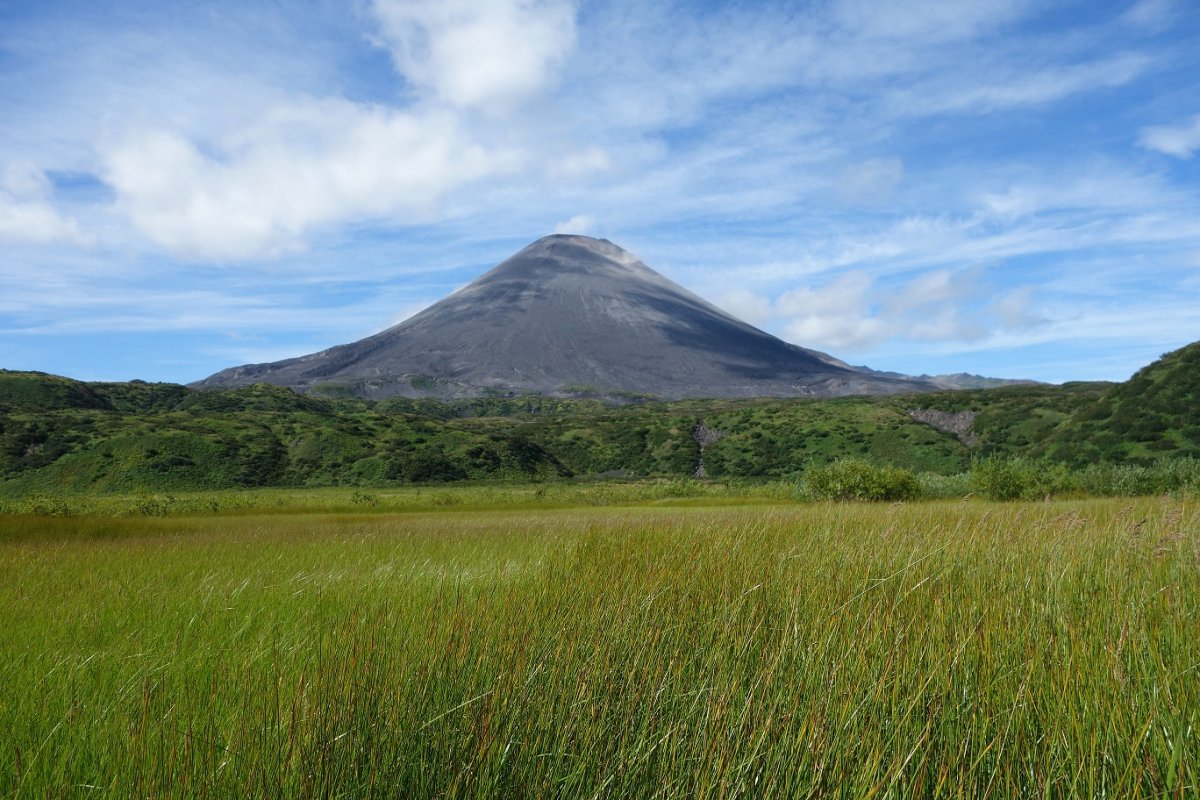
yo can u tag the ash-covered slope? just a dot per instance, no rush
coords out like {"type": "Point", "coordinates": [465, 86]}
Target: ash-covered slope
{"type": "Point", "coordinates": [570, 315]}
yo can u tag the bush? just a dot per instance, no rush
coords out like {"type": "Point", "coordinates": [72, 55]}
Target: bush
{"type": "Point", "coordinates": [1131, 480]}
{"type": "Point", "coordinates": [855, 479]}
{"type": "Point", "coordinates": [1006, 479]}
{"type": "Point", "coordinates": [1019, 479]}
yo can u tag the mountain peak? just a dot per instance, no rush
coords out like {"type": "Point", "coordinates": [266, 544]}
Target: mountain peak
{"type": "Point", "coordinates": [571, 253]}
{"type": "Point", "coordinates": [570, 314]}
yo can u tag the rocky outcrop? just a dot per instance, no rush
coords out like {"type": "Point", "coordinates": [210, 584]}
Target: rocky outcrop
{"type": "Point", "coordinates": [959, 423]}
{"type": "Point", "coordinates": [704, 436]}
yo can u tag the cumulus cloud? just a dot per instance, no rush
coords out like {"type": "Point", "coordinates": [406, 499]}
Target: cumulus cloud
{"type": "Point", "coordinates": [309, 164]}
{"type": "Point", "coordinates": [256, 189]}
{"type": "Point", "coordinates": [838, 314]}
{"type": "Point", "coordinates": [746, 305]}
{"type": "Point", "coordinates": [1180, 141]}
{"type": "Point", "coordinates": [477, 53]}
{"type": "Point", "coordinates": [27, 215]}
{"type": "Point", "coordinates": [856, 311]}
{"type": "Point", "coordinates": [580, 224]}
{"type": "Point", "coordinates": [35, 223]}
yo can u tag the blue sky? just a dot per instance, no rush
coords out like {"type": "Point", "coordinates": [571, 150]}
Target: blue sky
{"type": "Point", "coordinates": [1008, 188]}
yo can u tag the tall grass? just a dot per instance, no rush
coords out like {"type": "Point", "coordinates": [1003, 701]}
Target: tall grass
{"type": "Point", "coordinates": [924, 650]}
{"type": "Point", "coordinates": [478, 496]}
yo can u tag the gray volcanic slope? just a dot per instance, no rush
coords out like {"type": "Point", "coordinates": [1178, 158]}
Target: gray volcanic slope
{"type": "Point", "coordinates": [570, 315]}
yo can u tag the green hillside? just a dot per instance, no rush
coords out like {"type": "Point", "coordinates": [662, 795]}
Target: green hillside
{"type": "Point", "coordinates": [1155, 413]}
{"type": "Point", "coordinates": [37, 390]}
{"type": "Point", "coordinates": [61, 435]}
{"type": "Point", "coordinates": [173, 438]}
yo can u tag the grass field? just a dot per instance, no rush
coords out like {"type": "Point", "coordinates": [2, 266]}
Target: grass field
{"type": "Point", "coordinates": [952, 649]}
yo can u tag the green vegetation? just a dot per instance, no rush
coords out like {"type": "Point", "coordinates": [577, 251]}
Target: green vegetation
{"type": "Point", "coordinates": [63, 438]}
{"type": "Point", "coordinates": [1023, 479]}
{"type": "Point", "coordinates": [905, 650]}
{"type": "Point", "coordinates": [1155, 413]}
{"type": "Point", "coordinates": [853, 479]}
{"type": "Point", "coordinates": [68, 438]}
{"type": "Point", "coordinates": [1013, 419]}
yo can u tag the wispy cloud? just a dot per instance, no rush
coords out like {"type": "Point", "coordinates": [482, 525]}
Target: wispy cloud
{"type": "Point", "coordinates": [1180, 141]}
{"type": "Point", "coordinates": [1151, 14]}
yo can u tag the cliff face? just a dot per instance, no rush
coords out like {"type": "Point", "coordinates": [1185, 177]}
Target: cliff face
{"type": "Point", "coordinates": [571, 315]}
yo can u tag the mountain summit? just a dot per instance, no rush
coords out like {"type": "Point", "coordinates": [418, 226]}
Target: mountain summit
{"type": "Point", "coordinates": [570, 315]}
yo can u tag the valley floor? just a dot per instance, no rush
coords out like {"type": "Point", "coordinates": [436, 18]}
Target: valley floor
{"type": "Point", "coordinates": [648, 648]}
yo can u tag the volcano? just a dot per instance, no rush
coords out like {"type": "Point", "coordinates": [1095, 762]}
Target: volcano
{"type": "Point", "coordinates": [570, 316]}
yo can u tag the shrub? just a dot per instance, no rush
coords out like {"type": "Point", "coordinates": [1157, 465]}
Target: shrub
{"type": "Point", "coordinates": [855, 479]}
{"type": "Point", "coordinates": [1019, 479]}
{"type": "Point", "coordinates": [1005, 479]}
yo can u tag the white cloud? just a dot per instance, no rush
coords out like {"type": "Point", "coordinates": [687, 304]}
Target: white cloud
{"type": "Point", "coordinates": [477, 53]}
{"type": "Point", "coordinates": [746, 305]}
{"type": "Point", "coordinates": [22, 180]}
{"type": "Point", "coordinates": [580, 224]}
{"type": "Point", "coordinates": [313, 163]}
{"type": "Point", "coordinates": [259, 186]}
{"type": "Point", "coordinates": [836, 315]}
{"type": "Point", "coordinates": [35, 223]}
{"type": "Point", "coordinates": [1015, 310]}
{"type": "Point", "coordinates": [1005, 85]}
{"type": "Point", "coordinates": [847, 294]}
{"type": "Point", "coordinates": [938, 287]}
{"type": "Point", "coordinates": [26, 214]}
{"type": "Point", "coordinates": [856, 311]}
{"type": "Point", "coordinates": [1179, 141]}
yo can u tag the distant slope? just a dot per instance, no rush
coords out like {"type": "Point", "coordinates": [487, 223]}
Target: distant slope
{"type": "Point", "coordinates": [1010, 420]}
{"type": "Point", "coordinates": [44, 392]}
{"type": "Point", "coordinates": [58, 435]}
{"type": "Point", "coordinates": [1155, 413]}
{"type": "Point", "coordinates": [953, 380]}
{"type": "Point", "coordinates": [570, 316]}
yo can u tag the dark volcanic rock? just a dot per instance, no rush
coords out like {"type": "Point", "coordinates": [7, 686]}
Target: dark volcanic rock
{"type": "Point", "coordinates": [570, 315]}
{"type": "Point", "coordinates": [960, 423]}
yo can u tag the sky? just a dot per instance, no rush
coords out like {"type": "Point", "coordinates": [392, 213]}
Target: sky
{"type": "Point", "coordinates": [1004, 188]}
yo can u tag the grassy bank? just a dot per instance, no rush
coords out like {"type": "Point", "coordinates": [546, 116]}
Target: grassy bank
{"type": "Point", "coordinates": [935, 649]}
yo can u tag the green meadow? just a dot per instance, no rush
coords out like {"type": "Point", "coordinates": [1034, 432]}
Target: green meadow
{"type": "Point", "coordinates": [655, 646]}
